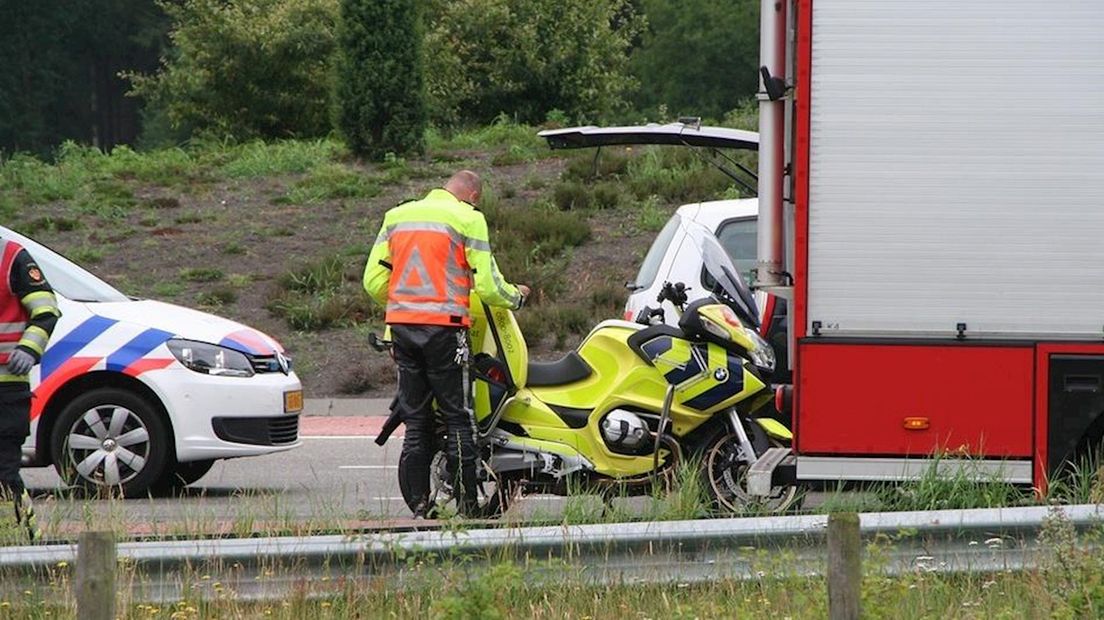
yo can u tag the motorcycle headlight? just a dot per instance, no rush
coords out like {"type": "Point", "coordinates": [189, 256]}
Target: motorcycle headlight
{"type": "Point", "coordinates": [763, 354]}
{"type": "Point", "coordinates": [211, 359]}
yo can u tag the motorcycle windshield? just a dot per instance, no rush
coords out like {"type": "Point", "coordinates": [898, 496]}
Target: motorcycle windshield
{"type": "Point", "coordinates": [728, 286]}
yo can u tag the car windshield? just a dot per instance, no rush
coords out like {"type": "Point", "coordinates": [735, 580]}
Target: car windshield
{"type": "Point", "coordinates": [729, 287]}
{"type": "Point", "coordinates": [66, 278]}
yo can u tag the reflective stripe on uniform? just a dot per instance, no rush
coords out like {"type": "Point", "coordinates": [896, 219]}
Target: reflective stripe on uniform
{"type": "Point", "coordinates": [478, 244]}
{"type": "Point", "coordinates": [501, 286]}
{"type": "Point", "coordinates": [35, 339]}
{"type": "Point", "coordinates": [39, 303]}
{"type": "Point", "coordinates": [436, 227]}
{"type": "Point", "coordinates": [8, 347]}
{"type": "Point", "coordinates": [444, 307]}
{"type": "Point", "coordinates": [4, 378]}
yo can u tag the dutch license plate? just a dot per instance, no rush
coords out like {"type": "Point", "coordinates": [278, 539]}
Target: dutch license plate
{"type": "Point", "coordinates": [293, 401]}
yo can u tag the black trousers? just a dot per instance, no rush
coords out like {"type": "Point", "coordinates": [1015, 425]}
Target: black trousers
{"type": "Point", "coordinates": [15, 425]}
{"type": "Point", "coordinates": [432, 362]}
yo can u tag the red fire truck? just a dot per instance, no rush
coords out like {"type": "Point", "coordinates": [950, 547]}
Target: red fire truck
{"type": "Point", "coordinates": [932, 204]}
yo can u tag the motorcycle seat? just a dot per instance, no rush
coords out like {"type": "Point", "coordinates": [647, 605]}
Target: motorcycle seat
{"type": "Point", "coordinates": [568, 369]}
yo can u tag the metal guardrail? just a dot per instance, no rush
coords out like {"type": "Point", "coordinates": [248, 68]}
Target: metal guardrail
{"type": "Point", "coordinates": [981, 540]}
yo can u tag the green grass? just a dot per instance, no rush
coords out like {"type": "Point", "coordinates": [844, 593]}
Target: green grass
{"type": "Point", "coordinates": [201, 274]}
{"type": "Point", "coordinates": [218, 296]}
{"type": "Point", "coordinates": [50, 224]}
{"type": "Point", "coordinates": [331, 181]}
{"type": "Point", "coordinates": [167, 289]}
{"type": "Point", "coordinates": [503, 132]}
{"type": "Point", "coordinates": [1068, 584]}
{"type": "Point", "coordinates": [87, 254]}
{"type": "Point", "coordinates": [102, 184]}
{"type": "Point", "coordinates": [323, 293]}
{"type": "Point", "coordinates": [258, 159]}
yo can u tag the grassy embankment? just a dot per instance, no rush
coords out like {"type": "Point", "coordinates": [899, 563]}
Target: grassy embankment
{"type": "Point", "coordinates": [276, 234]}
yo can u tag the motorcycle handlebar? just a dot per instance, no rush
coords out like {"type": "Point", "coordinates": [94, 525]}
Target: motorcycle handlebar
{"type": "Point", "coordinates": [674, 293]}
{"type": "Point", "coordinates": [379, 344]}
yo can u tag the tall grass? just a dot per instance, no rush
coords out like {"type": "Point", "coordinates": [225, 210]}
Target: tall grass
{"type": "Point", "coordinates": [323, 293]}
{"type": "Point", "coordinates": [503, 132]}
{"type": "Point", "coordinates": [1067, 585]}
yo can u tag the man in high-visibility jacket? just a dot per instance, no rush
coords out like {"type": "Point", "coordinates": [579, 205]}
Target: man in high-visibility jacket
{"type": "Point", "coordinates": [428, 256]}
{"type": "Point", "coordinates": [28, 313]}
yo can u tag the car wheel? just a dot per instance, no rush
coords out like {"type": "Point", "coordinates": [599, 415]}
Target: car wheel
{"type": "Point", "coordinates": [179, 475]}
{"type": "Point", "coordinates": [110, 438]}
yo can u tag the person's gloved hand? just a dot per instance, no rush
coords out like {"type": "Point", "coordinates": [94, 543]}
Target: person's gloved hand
{"type": "Point", "coordinates": [20, 362]}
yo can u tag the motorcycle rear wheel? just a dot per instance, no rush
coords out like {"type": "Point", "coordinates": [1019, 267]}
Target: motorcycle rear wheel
{"type": "Point", "coordinates": [494, 494]}
{"type": "Point", "coordinates": [724, 471]}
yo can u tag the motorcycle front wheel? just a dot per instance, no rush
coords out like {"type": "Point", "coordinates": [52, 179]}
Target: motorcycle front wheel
{"type": "Point", "coordinates": [724, 475]}
{"type": "Point", "coordinates": [494, 493]}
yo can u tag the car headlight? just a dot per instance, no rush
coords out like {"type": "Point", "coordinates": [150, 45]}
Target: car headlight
{"type": "Point", "coordinates": [763, 354]}
{"type": "Point", "coordinates": [211, 359]}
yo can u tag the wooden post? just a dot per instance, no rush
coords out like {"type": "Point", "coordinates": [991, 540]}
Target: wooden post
{"type": "Point", "coordinates": [844, 566]}
{"type": "Point", "coordinates": [96, 576]}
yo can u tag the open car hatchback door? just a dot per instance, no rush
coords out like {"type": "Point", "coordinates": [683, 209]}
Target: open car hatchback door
{"type": "Point", "coordinates": [674, 134]}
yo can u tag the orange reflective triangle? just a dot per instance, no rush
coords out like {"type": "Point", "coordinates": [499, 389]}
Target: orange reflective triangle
{"type": "Point", "coordinates": [414, 279]}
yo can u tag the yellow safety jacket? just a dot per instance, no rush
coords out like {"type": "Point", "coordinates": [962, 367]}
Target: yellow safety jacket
{"type": "Point", "coordinates": [428, 256]}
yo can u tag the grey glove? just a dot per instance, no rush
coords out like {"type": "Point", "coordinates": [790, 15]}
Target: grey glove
{"type": "Point", "coordinates": [20, 362]}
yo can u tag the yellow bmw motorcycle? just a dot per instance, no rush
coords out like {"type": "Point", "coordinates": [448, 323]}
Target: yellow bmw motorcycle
{"type": "Point", "coordinates": [617, 415]}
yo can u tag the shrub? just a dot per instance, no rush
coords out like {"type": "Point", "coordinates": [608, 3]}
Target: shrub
{"type": "Point", "coordinates": [716, 44]}
{"type": "Point", "coordinates": [571, 195]}
{"type": "Point", "coordinates": [380, 88]}
{"type": "Point", "coordinates": [674, 176]}
{"type": "Point", "coordinates": [320, 294]}
{"type": "Point", "coordinates": [247, 68]}
{"type": "Point", "coordinates": [315, 277]}
{"type": "Point", "coordinates": [607, 195]}
{"type": "Point", "coordinates": [528, 58]}
{"type": "Point", "coordinates": [586, 165]}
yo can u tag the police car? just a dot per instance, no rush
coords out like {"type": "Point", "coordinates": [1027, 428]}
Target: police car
{"type": "Point", "coordinates": [144, 396]}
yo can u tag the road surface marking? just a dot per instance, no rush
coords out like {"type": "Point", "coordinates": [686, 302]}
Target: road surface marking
{"type": "Point", "coordinates": [367, 466]}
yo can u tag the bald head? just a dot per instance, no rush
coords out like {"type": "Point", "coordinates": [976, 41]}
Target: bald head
{"type": "Point", "coordinates": [466, 186]}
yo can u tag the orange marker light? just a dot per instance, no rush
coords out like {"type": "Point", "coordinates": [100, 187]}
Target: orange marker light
{"type": "Point", "coordinates": [916, 424]}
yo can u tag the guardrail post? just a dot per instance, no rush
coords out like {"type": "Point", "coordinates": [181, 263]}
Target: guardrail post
{"type": "Point", "coordinates": [844, 566]}
{"type": "Point", "coordinates": [96, 563]}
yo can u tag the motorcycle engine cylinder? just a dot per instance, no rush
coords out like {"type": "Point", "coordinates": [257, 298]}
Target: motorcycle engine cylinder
{"type": "Point", "coordinates": [625, 431]}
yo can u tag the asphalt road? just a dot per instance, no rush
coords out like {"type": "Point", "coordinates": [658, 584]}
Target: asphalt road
{"type": "Point", "coordinates": [328, 477]}
{"type": "Point", "coordinates": [331, 478]}
{"type": "Point", "coordinates": [338, 477]}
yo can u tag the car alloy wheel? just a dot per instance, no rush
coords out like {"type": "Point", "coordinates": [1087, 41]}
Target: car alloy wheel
{"type": "Point", "coordinates": [111, 438]}
{"type": "Point", "coordinates": [108, 445]}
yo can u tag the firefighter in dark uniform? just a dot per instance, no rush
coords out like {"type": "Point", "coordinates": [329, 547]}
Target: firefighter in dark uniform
{"type": "Point", "coordinates": [28, 313]}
